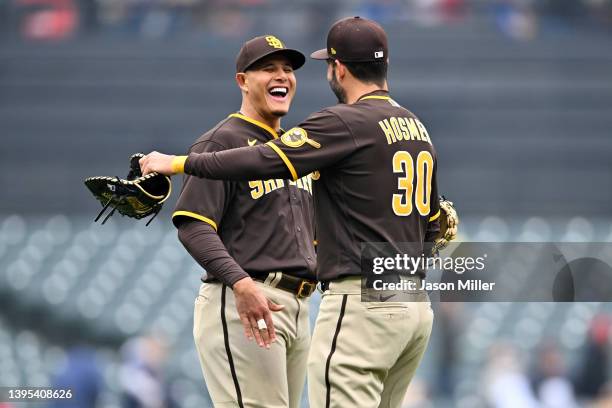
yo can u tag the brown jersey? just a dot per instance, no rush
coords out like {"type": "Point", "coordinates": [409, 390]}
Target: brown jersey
{"type": "Point", "coordinates": [266, 225]}
{"type": "Point", "coordinates": [374, 177]}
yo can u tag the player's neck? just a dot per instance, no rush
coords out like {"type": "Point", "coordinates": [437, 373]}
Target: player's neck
{"type": "Point", "coordinates": [356, 89]}
{"type": "Point", "coordinates": [273, 122]}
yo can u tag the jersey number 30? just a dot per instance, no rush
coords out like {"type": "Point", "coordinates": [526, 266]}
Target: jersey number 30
{"type": "Point", "coordinates": [403, 163]}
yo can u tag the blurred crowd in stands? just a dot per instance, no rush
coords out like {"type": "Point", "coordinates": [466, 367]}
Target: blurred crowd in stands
{"type": "Point", "coordinates": [512, 377]}
{"type": "Point", "coordinates": [64, 19]}
{"type": "Point", "coordinates": [548, 381]}
{"type": "Point", "coordinates": [141, 376]}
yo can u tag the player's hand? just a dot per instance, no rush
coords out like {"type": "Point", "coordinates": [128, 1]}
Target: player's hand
{"type": "Point", "coordinates": [157, 162]}
{"type": "Point", "coordinates": [252, 306]}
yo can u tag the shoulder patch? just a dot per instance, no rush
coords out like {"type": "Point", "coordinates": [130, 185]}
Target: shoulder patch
{"type": "Point", "coordinates": [297, 137]}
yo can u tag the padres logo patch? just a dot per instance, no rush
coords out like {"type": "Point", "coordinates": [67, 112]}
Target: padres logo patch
{"type": "Point", "coordinates": [297, 137]}
{"type": "Point", "coordinates": [274, 42]}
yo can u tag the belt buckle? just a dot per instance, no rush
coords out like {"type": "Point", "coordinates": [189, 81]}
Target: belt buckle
{"type": "Point", "coordinates": [306, 286]}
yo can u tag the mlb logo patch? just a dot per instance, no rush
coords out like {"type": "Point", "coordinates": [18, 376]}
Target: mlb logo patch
{"type": "Point", "coordinates": [379, 54]}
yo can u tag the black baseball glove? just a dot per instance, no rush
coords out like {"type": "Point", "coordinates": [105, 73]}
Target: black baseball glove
{"type": "Point", "coordinates": [137, 196]}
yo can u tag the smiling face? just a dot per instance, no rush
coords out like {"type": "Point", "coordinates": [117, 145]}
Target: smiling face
{"type": "Point", "coordinates": [268, 86]}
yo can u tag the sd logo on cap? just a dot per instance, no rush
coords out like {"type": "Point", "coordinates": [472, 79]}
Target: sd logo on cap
{"type": "Point", "coordinates": [262, 46]}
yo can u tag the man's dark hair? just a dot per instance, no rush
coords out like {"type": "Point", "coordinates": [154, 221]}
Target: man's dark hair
{"type": "Point", "coordinates": [373, 72]}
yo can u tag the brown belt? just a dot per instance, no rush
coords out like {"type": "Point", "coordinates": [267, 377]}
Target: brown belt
{"type": "Point", "coordinates": [299, 287]}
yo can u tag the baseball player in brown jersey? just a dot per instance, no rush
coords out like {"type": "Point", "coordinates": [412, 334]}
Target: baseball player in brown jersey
{"type": "Point", "coordinates": [374, 181]}
{"type": "Point", "coordinates": [255, 240]}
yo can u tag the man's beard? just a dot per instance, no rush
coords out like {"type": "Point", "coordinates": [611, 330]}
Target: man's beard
{"type": "Point", "coordinates": [336, 88]}
{"type": "Point", "coordinates": [278, 114]}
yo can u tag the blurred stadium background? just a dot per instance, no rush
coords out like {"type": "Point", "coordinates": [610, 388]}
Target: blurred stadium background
{"type": "Point", "coordinates": [517, 95]}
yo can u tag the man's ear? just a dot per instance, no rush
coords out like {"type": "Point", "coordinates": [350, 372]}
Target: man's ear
{"type": "Point", "coordinates": [242, 81]}
{"type": "Point", "coordinates": [340, 70]}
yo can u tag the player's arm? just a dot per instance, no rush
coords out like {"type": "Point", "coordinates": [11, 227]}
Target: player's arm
{"type": "Point", "coordinates": [321, 140]}
{"type": "Point", "coordinates": [244, 163]}
{"type": "Point", "coordinates": [199, 211]}
{"type": "Point", "coordinates": [206, 248]}
{"type": "Point", "coordinates": [433, 227]}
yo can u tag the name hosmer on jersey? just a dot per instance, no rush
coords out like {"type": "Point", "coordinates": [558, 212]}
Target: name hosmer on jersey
{"type": "Point", "coordinates": [397, 129]}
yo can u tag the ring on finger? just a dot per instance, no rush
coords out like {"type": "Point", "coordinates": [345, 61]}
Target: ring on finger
{"type": "Point", "coordinates": [261, 324]}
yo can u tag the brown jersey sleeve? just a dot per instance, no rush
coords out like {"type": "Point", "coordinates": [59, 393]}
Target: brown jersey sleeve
{"type": "Point", "coordinates": [434, 212]}
{"type": "Point", "coordinates": [206, 248]}
{"type": "Point", "coordinates": [203, 199]}
{"type": "Point", "coordinates": [320, 141]}
{"type": "Point", "coordinates": [243, 163]}
{"type": "Point", "coordinates": [433, 227]}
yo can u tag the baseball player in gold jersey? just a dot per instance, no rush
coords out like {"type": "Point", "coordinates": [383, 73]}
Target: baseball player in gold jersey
{"type": "Point", "coordinates": [375, 181]}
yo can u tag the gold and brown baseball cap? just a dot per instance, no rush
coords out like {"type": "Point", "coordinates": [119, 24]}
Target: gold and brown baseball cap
{"type": "Point", "coordinates": [262, 46]}
{"type": "Point", "coordinates": [355, 39]}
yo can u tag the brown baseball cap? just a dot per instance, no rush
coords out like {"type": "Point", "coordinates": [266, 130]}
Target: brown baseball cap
{"type": "Point", "coordinates": [262, 46]}
{"type": "Point", "coordinates": [355, 39]}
